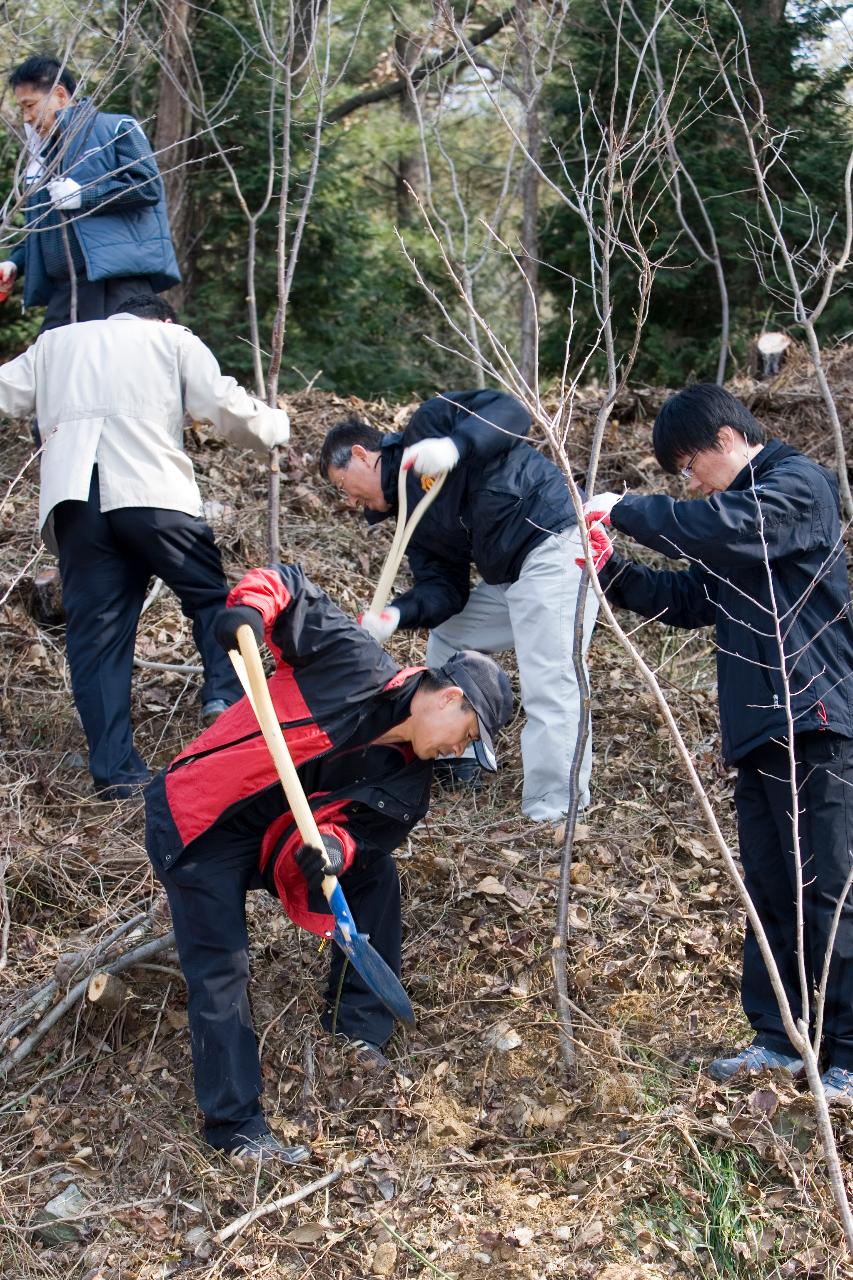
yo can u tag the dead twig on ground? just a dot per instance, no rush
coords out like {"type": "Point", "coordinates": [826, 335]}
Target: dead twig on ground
{"type": "Point", "coordinates": [275, 1206]}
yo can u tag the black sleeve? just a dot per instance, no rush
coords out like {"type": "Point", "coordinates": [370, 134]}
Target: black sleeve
{"type": "Point", "coordinates": [677, 598]}
{"type": "Point", "coordinates": [305, 629]}
{"type": "Point", "coordinates": [482, 424]}
{"type": "Point", "coordinates": [733, 528]}
{"type": "Point", "coordinates": [441, 589]}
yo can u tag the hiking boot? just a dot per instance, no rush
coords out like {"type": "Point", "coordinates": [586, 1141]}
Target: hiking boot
{"type": "Point", "coordinates": [265, 1149]}
{"type": "Point", "coordinates": [458, 775]}
{"type": "Point", "coordinates": [838, 1086]}
{"type": "Point", "coordinates": [212, 710]}
{"type": "Point", "coordinates": [752, 1060]}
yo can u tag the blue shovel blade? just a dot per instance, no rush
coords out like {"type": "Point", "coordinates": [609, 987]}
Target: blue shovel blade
{"type": "Point", "coordinates": [381, 979]}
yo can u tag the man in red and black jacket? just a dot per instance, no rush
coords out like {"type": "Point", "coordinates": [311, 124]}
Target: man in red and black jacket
{"type": "Point", "coordinates": [362, 734]}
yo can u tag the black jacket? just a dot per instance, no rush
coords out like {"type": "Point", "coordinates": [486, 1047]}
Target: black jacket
{"type": "Point", "coordinates": [500, 501]}
{"type": "Point", "coordinates": [791, 508]}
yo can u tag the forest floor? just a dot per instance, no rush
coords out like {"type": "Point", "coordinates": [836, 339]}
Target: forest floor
{"type": "Point", "coordinates": [482, 1158]}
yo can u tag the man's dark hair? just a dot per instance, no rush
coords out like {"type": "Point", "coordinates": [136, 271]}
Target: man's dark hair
{"type": "Point", "coordinates": [433, 680]}
{"type": "Point", "coordinates": [42, 72]}
{"type": "Point", "coordinates": [148, 306]}
{"type": "Point", "coordinates": [691, 420]}
{"type": "Point", "coordinates": [337, 447]}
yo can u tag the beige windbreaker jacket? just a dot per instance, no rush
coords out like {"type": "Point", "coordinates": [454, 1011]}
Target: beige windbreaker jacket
{"type": "Point", "coordinates": [113, 393]}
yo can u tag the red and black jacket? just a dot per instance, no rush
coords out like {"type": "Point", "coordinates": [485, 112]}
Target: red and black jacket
{"type": "Point", "coordinates": [335, 690]}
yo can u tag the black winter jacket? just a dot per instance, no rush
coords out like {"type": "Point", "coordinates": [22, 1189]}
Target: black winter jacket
{"type": "Point", "coordinates": [500, 501]}
{"type": "Point", "coordinates": [791, 508]}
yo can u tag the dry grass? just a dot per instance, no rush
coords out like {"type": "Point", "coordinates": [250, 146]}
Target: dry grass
{"type": "Point", "coordinates": [484, 1160]}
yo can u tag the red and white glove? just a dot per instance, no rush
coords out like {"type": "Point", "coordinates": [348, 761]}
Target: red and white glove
{"type": "Point", "coordinates": [65, 193]}
{"type": "Point", "coordinates": [380, 625]}
{"type": "Point", "coordinates": [8, 273]}
{"type": "Point", "coordinates": [431, 456]}
{"type": "Point", "coordinates": [600, 546]}
{"type": "Point", "coordinates": [601, 505]}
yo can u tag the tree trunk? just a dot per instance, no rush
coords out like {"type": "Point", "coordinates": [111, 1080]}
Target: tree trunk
{"type": "Point", "coordinates": [409, 172]}
{"type": "Point", "coordinates": [530, 200]}
{"type": "Point", "coordinates": [171, 131]}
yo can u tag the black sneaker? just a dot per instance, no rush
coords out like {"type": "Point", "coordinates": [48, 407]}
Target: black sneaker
{"type": "Point", "coordinates": [265, 1149]}
{"type": "Point", "coordinates": [458, 775]}
{"type": "Point", "coordinates": [364, 1054]}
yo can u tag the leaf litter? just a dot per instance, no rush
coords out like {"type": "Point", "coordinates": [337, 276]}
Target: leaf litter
{"type": "Point", "coordinates": [482, 1158]}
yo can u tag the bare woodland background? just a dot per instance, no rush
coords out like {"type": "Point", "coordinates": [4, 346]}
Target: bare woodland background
{"type": "Point", "coordinates": [584, 204]}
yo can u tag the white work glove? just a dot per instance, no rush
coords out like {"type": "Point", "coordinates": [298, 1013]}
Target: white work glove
{"type": "Point", "coordinates": [380, 625]}
{"type": "Point", "coordinates": [431, 456]}
{"type": "Point", "coordinates": [282, 427]}
{"type": "Point", "coordinates": [602, 504]}
{"type": "Point", "coordinates": [65, 193]}
{"type": "Point", "coordinates": [8, 273]}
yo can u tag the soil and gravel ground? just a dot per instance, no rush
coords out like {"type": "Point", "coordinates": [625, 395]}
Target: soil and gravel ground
{"type": "Point", "coordinates": [483, 1160]}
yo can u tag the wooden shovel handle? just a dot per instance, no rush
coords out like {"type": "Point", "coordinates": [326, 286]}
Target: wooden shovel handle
{"type": "Point", "coordinates": [254, 682]}
{"type": "Point", "coordinates": [402, 536]}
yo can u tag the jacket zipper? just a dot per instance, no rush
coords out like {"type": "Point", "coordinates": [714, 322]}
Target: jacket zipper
{"type": "Point", "coordinates": [236, 742]}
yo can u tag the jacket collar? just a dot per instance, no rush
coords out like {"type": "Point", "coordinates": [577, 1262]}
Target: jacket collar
{"type": "Point", "coordinates": [390, 453]}
{"type": "Point", "coordinates": [774, 451]}
{"type": "Point", "coordinates": [74, 125]}
{"type": "Point", "coordinates": [66, 116]}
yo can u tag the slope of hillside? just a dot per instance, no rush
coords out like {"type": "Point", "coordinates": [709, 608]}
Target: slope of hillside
{"type": "Point", "coordinates": [482, 1159]}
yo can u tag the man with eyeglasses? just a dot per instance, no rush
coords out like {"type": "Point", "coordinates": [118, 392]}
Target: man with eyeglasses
{"type": "Point", "coordinates": [767, 570]}
{"type": "Point", "coordinates": [504, 512]}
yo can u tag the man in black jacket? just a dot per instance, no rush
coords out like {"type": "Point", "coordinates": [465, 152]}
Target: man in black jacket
{"type": "Point", "coordinates": [362, 734]}
{"type": "Point", "coordinates": [506, 510]}
{"type": "Point", "coordinates": [768, 571]}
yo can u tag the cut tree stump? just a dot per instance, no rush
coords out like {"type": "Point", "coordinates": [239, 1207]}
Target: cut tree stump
{"type": "Point", "coordinates": [107, 991]}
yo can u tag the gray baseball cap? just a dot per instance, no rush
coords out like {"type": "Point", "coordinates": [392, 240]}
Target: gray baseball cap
{"type": "Point", "coordinates": [487, 688]}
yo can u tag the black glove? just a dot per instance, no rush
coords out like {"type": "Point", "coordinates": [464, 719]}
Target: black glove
{"type": "Point", "coordinates": [315, 864]}
{"type": "Point", "coordinates": [227, 621]}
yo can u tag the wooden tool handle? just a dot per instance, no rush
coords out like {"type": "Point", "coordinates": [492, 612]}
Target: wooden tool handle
{"type": "Point", "coordinates": [402, 535]}
{"type": "Point", "coordinates": [258, 694]}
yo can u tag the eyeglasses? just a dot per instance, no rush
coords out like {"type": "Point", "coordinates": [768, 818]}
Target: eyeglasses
{"type": "Point", "coordinates": [687, 471]}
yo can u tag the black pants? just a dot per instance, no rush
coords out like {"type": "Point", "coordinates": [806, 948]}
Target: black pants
{"type": "Point", "coordinates": [105, 561]}
{"type": "Point", "coordinates": [763, 802]}
{"type": "Point", "coordinates": [207, 894]}
{"type": "Point", "coordinates": [96, 299]}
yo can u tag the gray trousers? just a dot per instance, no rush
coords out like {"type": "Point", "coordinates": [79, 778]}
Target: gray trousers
{"type": "Point", "coordinates": [535, 616]}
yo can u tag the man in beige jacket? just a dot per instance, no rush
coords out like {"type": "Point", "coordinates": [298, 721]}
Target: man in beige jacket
{"type": "Point", "coordinates": [119, 501]}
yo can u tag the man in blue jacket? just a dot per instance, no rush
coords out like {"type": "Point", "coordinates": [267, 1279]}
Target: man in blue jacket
{"type": "Point", "coordinates": [505, 510]}
{"type": "Point", "coordinates": [97, 231]}
{"type": "Point", "coordinates": [768, 572]}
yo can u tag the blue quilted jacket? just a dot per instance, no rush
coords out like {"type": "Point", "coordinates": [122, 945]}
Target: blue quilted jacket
{"type": "Point", "coordinates": [122, 227]}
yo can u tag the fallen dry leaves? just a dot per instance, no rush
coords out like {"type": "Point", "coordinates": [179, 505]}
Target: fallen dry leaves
{"type": "Point", "coordinates": [482, 1159]}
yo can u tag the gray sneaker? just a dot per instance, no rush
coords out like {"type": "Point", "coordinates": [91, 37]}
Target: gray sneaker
{"type": "Point", "coordinates": [752, 1060]}
{"type": "Point", "coordinates": [838, 1086]}
{"type": "Point", "coordinates": [212, 710]}
{"type": "Point", "coordinates": [265, 1149]}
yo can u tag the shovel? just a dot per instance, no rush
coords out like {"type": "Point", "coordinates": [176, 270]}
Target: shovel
{"type": "Point", "coordinates": [381, 979]}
